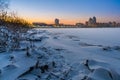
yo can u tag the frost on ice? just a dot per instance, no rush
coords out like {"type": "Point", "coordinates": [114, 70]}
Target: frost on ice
{"type": "Point", "coordinates": [22, 59]}
{"type": "Point", "coordinates": [56, 55]}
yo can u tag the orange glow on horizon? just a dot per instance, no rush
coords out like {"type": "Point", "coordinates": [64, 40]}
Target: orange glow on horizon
{"type": "Point", "coordinates": [51, 21]}
{"type": "Point", "coordinates": [66, 21]}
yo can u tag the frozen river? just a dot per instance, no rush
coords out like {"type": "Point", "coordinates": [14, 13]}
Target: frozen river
{"type": "Point", "coordinates": [105, 36]}
{"type": "Point", "coordinates": [79, 53]}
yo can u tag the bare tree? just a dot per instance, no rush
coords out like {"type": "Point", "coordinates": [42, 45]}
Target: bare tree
{"type": "Point", "coordinates": [4, 5]}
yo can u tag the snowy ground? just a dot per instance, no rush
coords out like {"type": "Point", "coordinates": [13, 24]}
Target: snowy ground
{"type": "Point", "coordinates": [101, 47]}
{"type": "Point", "coordinates": [70, 54]}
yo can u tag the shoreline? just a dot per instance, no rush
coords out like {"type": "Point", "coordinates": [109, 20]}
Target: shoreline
{"type": "Point", "coordinates": [76, 27]}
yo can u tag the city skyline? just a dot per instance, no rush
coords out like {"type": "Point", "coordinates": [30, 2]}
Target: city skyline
{"type": "Point", "coordinates": [68, 11]}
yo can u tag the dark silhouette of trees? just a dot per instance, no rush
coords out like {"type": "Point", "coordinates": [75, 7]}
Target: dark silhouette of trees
{"type": "Point", "coordinates": [10, 19]}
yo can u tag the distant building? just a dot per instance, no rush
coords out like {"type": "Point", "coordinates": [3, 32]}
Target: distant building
{"type": "Point", "coordinates": [86, 23]}
{"type": "Point", "coordinates": [114, 24]}
{"type": "Point", "coordinates": [92, 22]}
{"type": "Point", "coordinates": [56, 22]}
{"type": "Point", "coordinates": [39, 24]}
{"type": "Point", "coordinates": [79, 24]}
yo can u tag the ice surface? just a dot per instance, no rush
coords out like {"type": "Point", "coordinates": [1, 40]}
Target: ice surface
{"type": "Point", "coordinates": [62, 54]}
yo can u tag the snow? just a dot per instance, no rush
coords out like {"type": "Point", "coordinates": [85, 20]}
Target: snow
{"type": "Point", "coordinates": [62, 54]}
{"type": "Point", "coordinates": [94, 44]}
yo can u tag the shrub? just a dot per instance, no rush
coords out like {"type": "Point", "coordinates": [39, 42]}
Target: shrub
{"type": "Point", "coordinates": [11, 20]}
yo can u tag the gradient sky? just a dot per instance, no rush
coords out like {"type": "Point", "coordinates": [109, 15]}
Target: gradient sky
{"type": "Point", "coordinates": [68, 11]}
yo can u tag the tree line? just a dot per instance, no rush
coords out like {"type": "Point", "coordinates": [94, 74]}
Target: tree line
{"type": "Point", "coordinates": [10, 19]}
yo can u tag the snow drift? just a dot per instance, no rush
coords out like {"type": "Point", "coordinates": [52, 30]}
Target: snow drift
{"type": "Point", "coordinates": [59, 54]}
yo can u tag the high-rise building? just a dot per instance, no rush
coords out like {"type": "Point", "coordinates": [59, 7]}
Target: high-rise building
{"type": "Point", "coordinates": [94, 20]}
{"type": "Point", "coordinates": [56, 22]}
{"type": "Point", "coordinates": [90, 21]}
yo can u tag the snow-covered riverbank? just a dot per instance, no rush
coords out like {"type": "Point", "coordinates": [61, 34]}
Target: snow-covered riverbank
{"type": "Point", "coordinates": [64, 54]}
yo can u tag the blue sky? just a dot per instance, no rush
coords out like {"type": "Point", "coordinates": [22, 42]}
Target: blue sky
{"type": "Point", "coordinates": [68, 11]}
